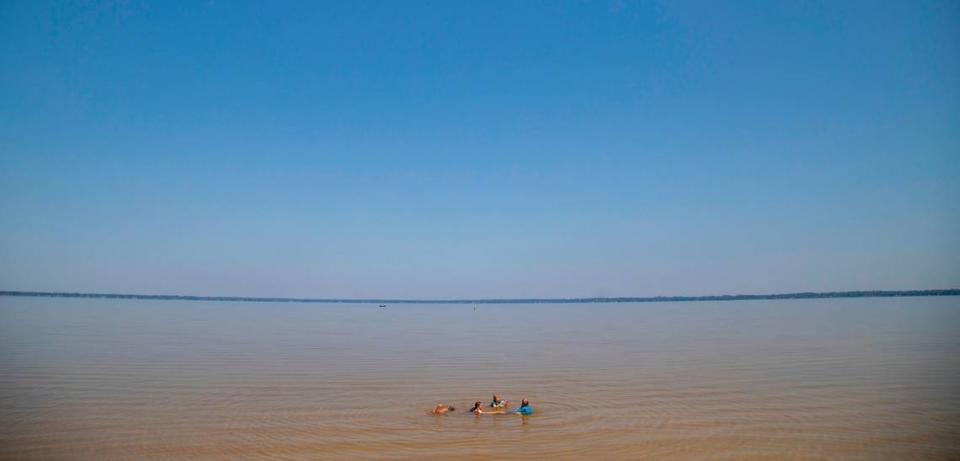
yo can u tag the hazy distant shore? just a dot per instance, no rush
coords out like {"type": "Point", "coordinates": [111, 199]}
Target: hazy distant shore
{"type": "Point", "coordinates": [649, 299]}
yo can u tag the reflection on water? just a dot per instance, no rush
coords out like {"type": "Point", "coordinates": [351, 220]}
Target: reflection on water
{"type": "Point", "coordinates": [802, 379]}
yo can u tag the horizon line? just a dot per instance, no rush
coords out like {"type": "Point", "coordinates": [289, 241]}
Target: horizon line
{"type": "Point", "coordinates": [596, 299]}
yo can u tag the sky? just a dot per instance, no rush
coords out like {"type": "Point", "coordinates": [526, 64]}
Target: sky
{"type": "Point", "coordinates": [479, 149]}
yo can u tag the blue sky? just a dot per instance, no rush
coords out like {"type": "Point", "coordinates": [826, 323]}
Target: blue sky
{"type": "Point", "coordinates": [479, 149]}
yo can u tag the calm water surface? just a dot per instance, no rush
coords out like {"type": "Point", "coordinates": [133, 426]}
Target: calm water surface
{"type": "Point", "coordinates": [804, 379]}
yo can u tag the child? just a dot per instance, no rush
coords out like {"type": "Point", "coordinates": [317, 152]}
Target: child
{"type": "Point", "coordinates": [497, 403]}
{"type": "Point", "coordinates": [442, 409]}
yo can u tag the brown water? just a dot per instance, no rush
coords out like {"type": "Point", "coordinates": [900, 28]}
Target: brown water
{"type": "Point", "coordinates": [811, 379]}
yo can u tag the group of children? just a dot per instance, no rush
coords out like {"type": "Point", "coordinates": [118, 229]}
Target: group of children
{"type": "Point", "coordinates": [497, 406]}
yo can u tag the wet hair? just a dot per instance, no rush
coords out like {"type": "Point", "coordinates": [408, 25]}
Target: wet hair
{"type": "Point", "coordinates": [524, 403]}
{"type": "Point", "coordinates": [476, 406]}
{"type": "Point", "coordinates": [451, 408]}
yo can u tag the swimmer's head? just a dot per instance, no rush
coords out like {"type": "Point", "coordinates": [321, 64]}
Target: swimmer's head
{"type": "Point", "coordinates": [451, 408]}
{"type": "Point", "coordinates": [524, 402]}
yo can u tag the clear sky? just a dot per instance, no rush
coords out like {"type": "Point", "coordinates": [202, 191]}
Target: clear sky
{"type": "Point", "coordinates": [479, 149]}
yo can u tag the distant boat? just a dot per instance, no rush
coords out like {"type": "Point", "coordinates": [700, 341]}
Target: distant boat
{"type": "Point", "coordinates": [383, 305]}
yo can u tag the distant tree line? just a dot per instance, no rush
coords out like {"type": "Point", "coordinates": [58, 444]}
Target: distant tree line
{"type": "Point", "coordinates": [653, 299]}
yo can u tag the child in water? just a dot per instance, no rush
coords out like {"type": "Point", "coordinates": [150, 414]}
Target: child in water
{"type": "Point", "coordinates": [497, 402]}
{"type": "Point", "coordinates": [442, 409]}
{"type": "Point", "coordinates": [477, 410]}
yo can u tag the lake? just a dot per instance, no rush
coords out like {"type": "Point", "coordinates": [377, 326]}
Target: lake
{"type": "Point", "coordinates": [857, 379]}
